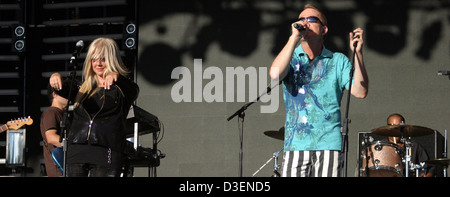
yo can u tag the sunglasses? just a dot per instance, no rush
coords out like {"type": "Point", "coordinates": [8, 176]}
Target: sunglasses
{"type": "Point", "coordinates": [310, 19]}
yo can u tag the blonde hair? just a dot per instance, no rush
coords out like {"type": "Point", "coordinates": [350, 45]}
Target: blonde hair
{"type": "Point", "coordinates": [100, 48]}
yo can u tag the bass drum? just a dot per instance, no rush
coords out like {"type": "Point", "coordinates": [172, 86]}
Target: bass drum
{"type": "Point", "coordinates": [382, 159]}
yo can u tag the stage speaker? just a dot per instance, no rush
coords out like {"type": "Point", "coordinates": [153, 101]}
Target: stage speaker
{"type": "Point", "coordinates": [433, 145]}
{"type": "Point", "coordinates": [130, 36]}
{"type": "Point", "coordinates": [18, 38]}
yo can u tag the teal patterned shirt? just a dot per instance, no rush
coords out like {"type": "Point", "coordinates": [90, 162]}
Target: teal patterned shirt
{"type": "Point", "coordinates": [312, 95]}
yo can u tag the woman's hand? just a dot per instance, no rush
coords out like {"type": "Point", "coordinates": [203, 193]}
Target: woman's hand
{"type": "Point", "coordinates": [56, 81]}
{"type": "Point", "coordinates": [110, 79]}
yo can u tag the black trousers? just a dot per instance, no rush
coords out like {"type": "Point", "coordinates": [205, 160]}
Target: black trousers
{"type": "Point", "coordinates": [92, 170]}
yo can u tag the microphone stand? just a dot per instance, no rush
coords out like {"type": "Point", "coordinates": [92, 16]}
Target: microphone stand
{"type": "Point", "coordinates": [344, 147]}
{"type": "Point", "coordinates": [241, 115]}
{"type": "Point", "coordinates": [64, 121]}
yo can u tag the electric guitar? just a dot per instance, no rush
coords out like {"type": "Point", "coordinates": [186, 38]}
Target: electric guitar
{"type": "Point", "coordinates": [58, 158]}
{"type": "Point", "coordinates": [16, 124]}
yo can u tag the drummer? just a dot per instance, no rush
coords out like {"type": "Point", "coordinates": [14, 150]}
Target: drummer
{"type": "Point", "coordinates": [418, 153]}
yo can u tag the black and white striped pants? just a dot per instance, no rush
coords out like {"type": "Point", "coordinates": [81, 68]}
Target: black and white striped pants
{"type": "Point", "coordinates": [322, 163]}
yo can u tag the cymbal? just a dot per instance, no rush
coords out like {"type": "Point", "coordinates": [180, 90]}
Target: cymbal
{"type": "Point", "coordinates": [279, 135]}
{"type": "Point", "coordinates": [439, 161]}
{"type": "Point", "coordinates": [402, 131]}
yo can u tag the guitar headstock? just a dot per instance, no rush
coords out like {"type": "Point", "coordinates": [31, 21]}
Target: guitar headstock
{"type": "Point", "coordinates": [17, 124]}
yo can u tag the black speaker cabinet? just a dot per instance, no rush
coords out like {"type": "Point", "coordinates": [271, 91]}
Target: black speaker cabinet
{"type": "Point", "coordinates": [433, 145]}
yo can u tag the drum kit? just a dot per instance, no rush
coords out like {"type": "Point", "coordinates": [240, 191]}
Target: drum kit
{"type": "Point", "coordinates": [383, 158]}
{"type": "Point", "coordinates": [392, 159]}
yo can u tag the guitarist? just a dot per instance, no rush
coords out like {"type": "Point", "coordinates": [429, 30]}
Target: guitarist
{"type": "Point", "coordinates": [50, 124]}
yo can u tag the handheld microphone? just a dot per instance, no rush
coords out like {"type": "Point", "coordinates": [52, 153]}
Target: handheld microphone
{"type": "Point", "coordinates": [299, 27]}
{"type": "Point", "coordinates": [443, 72]}
{"type": "Point", "coordinates": [80, 45]}
{"type": "Point", "coordinates": [76, 54]}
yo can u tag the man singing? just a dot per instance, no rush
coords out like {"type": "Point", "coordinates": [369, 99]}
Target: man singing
{"type": "Point", "coordinates": [314, 80]}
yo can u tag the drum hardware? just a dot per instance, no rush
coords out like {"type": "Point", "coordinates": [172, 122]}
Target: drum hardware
{"type": "Point", "coordinates": [279, 135]}
{"type": "Point", "coordinates": [402, 131]}
{"type": "Point", "coordinates": [440, 161]}
{"type": "Point", "coordinates": [409, 166]}
{"type": "Point", "coordinates": [364, 155]}
{"type": "Point", "coordinates": [407, 144]}
{"type": "Point", "coordinates": [378, 147]}
{"type": "Point", "coordinates": [276, 166]}
{"type": "Point", "coordinates": [418, 167]}
{"type": "Point", "coordinates": [381, 159]}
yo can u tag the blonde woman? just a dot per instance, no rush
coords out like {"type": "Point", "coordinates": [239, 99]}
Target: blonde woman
{"type": "Point", "coordinates": [97, 133]}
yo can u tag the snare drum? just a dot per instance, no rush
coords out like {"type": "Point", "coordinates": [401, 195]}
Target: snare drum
{"type": "Point", "coordinates": [382, 159]}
